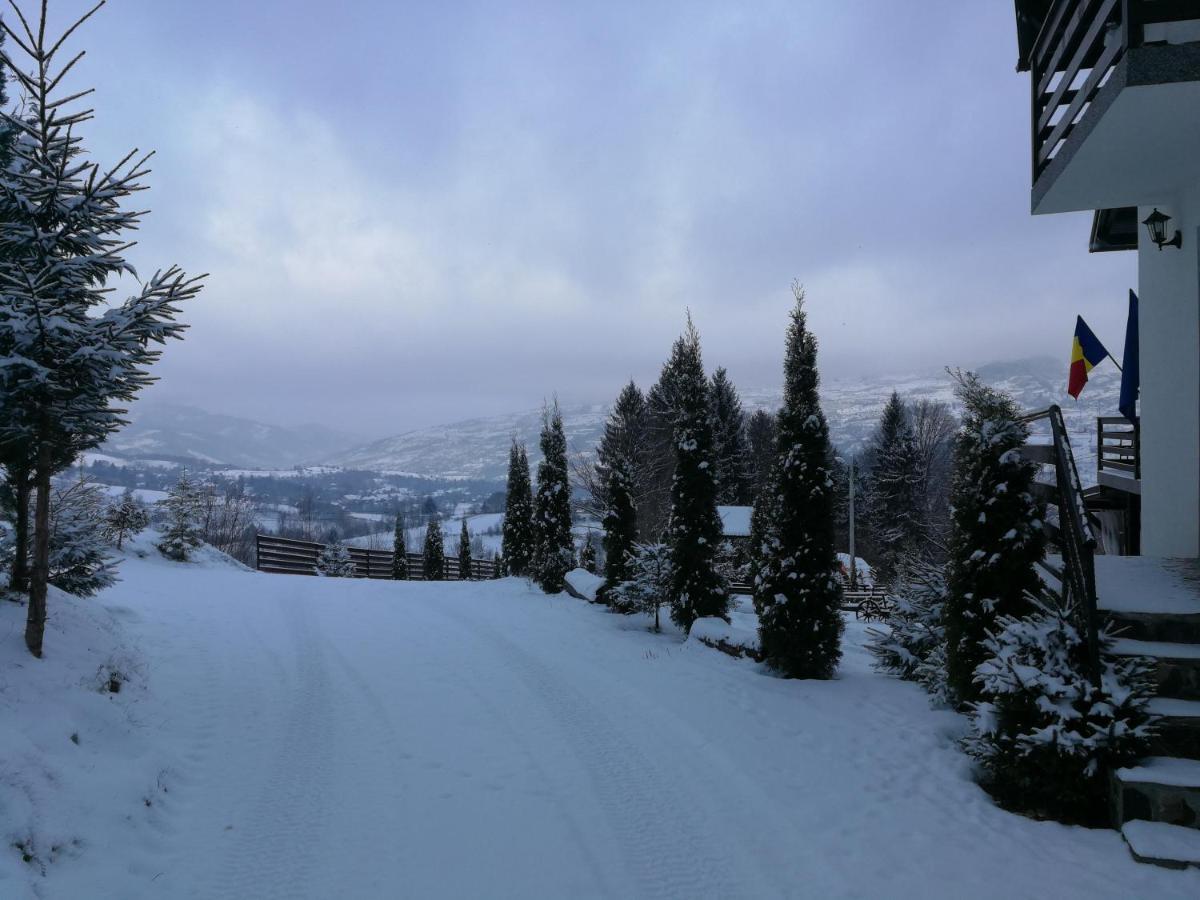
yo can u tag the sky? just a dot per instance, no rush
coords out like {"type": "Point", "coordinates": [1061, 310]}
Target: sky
{"type": "Point", "coordinates": [416, 213]}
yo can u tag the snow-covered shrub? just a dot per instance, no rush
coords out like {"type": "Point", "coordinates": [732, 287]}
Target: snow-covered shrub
{"type": "Point", "coordinates": [181, 533]}
{"type": "Point", "coordinates": [125, 518]}
{"type": "Point", "coordinates": [915, 632]}
{"type": "Point", "coordinates": [997, 537]}
{"type": "Point", "coordinates": [335, 562]}
{"type": "Point", "coordinates": [550, 567]}
{"type": "Point", "coordinates": [433, 558]}
{"type": "Point", "coordinates": [732, 562]}
{"type": "Point", "coordinates": [1045, 736]}
{"type": "Point", "coordinates": [587, 554]}
{"type": "Point", "coordinates": [79, 560]}
{"type": "Point", "coordinates": [649, 585]}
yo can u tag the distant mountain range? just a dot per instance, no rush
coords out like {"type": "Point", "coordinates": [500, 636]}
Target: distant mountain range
{"type": "Point", "coordinates": [478, 448]}
{"type": "Point", "coordinates": [186, 434]}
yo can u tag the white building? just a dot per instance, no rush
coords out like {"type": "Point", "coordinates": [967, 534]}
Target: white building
{"type": "Point", "coordinates": [1116, 129]}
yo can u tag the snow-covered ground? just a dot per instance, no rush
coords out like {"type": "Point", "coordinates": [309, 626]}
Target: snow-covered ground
{"type": "Point", "coordinates": [283, 737]}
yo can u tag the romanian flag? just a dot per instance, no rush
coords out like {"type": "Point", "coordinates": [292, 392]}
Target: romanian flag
{"type": "Point", "coordinates": [1086, 353]}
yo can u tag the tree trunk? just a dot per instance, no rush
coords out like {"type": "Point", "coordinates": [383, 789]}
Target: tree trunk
{"type": "Point", "coordinates": [19, 577]}
{"type": "Point", "coordinates": [35, 623]}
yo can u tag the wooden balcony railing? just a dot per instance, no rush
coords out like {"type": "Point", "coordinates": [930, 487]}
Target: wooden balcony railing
{"type": "Point", "coordinates": [1080, 43]}
{"type": "Point", "coordinates": [1118, 447]}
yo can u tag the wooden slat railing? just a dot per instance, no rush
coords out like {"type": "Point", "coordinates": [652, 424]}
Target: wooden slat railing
{"type": "Point", "coordinates": [1118, 446]}
{"type": "Point", "coordinates": [1073, 534]}
{"type": "Point", "coordinates": [1080, 43]}
{"type": "Point", "coordinates": [289, 556]}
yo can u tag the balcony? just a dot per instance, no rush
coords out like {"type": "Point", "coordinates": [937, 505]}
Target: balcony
{"type": "Point", "coordinates": [1118, 454]}
{"type": "Point", "coordinates": [1112, 84]}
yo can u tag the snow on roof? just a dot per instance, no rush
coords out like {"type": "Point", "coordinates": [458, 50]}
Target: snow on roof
{"type": "Point", "coordinates": [735, 520]}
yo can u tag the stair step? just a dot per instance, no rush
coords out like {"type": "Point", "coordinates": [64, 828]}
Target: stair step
{"type": "Point", "coordinates": [1159, 789]}
{"type": "Point", "coordinates": [1177, 666]}
{"type": "Point", "coordinates": [1157, 649]}
{"type": "Point", "coordinates": [1174, 708]}
{"type": "Point", "coordinates": [1162, 844]}
{"type": "Point", "coordinates": [1182, 628]}
{"type": "Point", "coordinates": [1177, 731]}
{"type": "Point", "coordinates": [1164, 770]}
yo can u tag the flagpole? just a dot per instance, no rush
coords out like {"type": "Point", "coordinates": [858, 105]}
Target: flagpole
{"type": "Point", "coordinates": [1115, 363]}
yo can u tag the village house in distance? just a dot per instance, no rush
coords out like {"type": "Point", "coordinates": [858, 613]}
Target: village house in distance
{"type": "Point", "coordinates": [1115, 90]}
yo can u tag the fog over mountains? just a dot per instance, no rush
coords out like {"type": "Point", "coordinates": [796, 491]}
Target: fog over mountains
{"type": "Point", "coordinates": [478, 448]}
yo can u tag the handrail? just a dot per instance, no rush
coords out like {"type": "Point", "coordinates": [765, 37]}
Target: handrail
{"type": "Point", "coordinates": [1075, 536]}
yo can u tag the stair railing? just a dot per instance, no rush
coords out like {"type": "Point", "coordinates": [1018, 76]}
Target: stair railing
{"type": "Point", "coordinates": [1074, 534]}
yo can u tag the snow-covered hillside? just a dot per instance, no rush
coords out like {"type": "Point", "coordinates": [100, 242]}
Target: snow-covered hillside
{"type": "Point", "coordinates": [478, 448]}
{"type": "Point", "coordinates": [285, 737]}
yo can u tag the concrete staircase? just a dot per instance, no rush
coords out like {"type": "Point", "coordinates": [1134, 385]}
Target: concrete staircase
{"type": "Point", "coordinates": [1156, 803]}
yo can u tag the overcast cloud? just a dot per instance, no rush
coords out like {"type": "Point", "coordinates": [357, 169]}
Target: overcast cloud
{"type": "Point", "coordinates": [417, 213]}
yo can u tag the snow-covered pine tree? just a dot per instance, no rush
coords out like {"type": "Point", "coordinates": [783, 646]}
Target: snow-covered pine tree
{"type": "Point", "coordinates": [649, 584]}
{"type": "Point", "coordinates": [554, 552]}
{"type": "Point", "coordinates": [894, 487]}
{"type": "Point", "coordinates": [731, 455]}
{"type": "Point", "coordinates": [434, 557]}
{"type": "Point", "coordinates": [79, 559]}
{"type": "Point", "coordinates": [1045, 735]}
{"type": "Point", "coordinates": [913, 631]}
{"type": "Point", "coordinates": [69, 356]}
{"type": "Point", "coordinates": [518, 532]}
{"type": "Point", "coordinates": [587, 554]}
{"type": "Point", "coordinates": [181, 534]}
{"type": "Point", "coordinates": [334, 561]}
{"type": "Point", "coordinates": [760, 441]}
{"type": "Point", "coordinates": [694, 528]}
{"type": "Point", "coordinates": [400, 550]}
{"type": "Point", "coordinates": [997, 538]}
{"type": "Point", "coordinates": [625, 438]}
{"type": "Point", "coordinates": [617, 464]}
{"type": "Point", "coordinates": [797, 596]}
{"type": "Point", "coordinates": [125, 518]}
{"type": "Point", "coordinates": [464, 552]}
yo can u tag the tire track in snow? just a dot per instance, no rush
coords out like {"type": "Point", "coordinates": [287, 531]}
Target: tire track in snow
{"type": "Point", "coordinates": [667, 855]}
{"type": "Point", "coordinates": [277, 849]}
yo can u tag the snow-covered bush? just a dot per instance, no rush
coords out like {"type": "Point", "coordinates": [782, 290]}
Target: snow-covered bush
{"type": "Point", "coordinates": [125, 518]}
{"type": "Point", "coordinates": [732, 562]}
{"type": "Point", "coordinates": [915, 632]}
{"type": "Point", "coordinates": [335, 562]}
{"type": "Point", "coordinates": [997, 537]}
{"type": "Point", "coordinates": [79, 560]}
{"type": "Point", "coordinates": [649, 586]}
{"type": "Point", "coordinates": [1045, 736]}
{"type": "Point", "coordinates": [433, 561]}
{"type": "Point", "coordinates": [587, 554]}
{"type": "Point", "coordinates": [181, 533]}
{"type": "Point", "coordinates": [551, 566]}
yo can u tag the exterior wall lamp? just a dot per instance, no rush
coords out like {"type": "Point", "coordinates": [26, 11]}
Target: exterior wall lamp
{"type": "Point", "coordinates": [1156, 224]}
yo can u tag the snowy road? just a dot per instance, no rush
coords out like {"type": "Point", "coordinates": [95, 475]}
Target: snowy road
{"type": "Point", "coordinates": [350, 739]}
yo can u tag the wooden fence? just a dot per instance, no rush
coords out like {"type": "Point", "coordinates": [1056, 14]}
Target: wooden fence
{"type": "Point", "coordinates": [288, 556]}
{"type": "Point", "coordinates": [863, 602]}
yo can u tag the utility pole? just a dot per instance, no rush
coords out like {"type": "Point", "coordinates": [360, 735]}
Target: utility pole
{"type": "Point", "coordinates": [853, 557]}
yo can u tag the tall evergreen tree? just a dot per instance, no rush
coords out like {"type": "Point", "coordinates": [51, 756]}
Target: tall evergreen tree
{"type": "Point", "coordinates": [894, 490]}
{"type": "Point", "coordinates": [400, 550]}
{"type": "Point", "coordinates": [464, 552]}
{"type": "Point", "coordinates": [434, 557]}
{"type": "Point", "coordinates": [518, 533]}
{"type": "Point", "coordinates": [796, 594]}
{"type": "Point", "coordinates": [69, 355]}
{"type": "Point", "coordinates": [694, 529]}
{"type": "Point", "coordinates": [760, 440]}
{"type": "Point", "coordinates": [554, 550]}
{"type": "Point", "coordinates": [617, 463]}
{"type": "Point", "coordinates": [730, 449]}
{"type": "Point", "coordinates": [997, 538]}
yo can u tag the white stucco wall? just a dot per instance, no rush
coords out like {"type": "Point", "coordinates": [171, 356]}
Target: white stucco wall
{"type": "Point", "coordinates": [1169, 332]}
